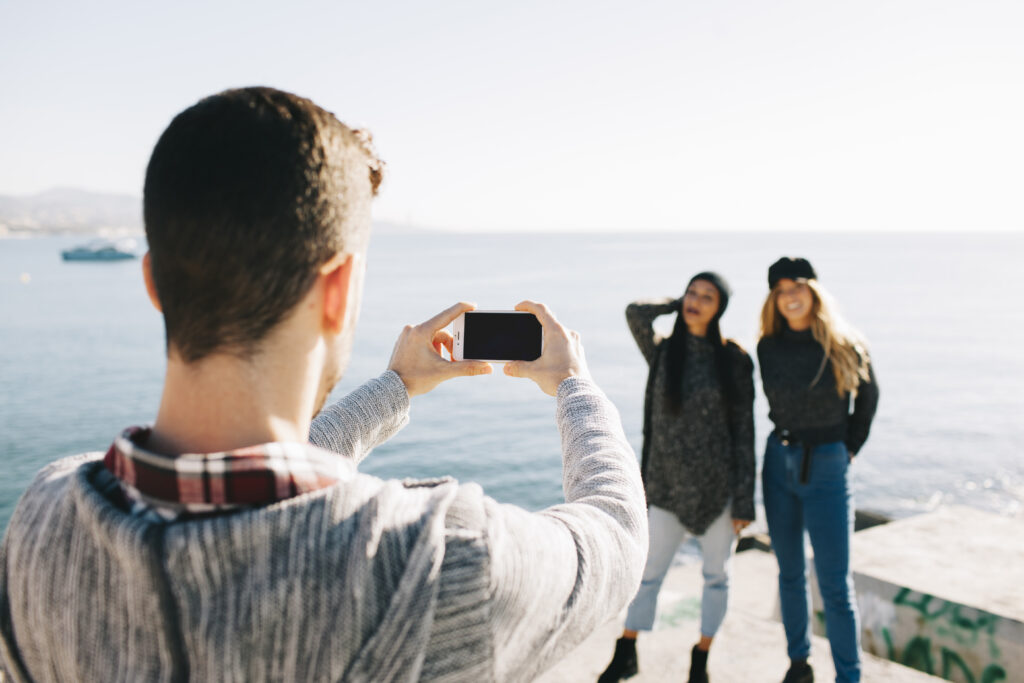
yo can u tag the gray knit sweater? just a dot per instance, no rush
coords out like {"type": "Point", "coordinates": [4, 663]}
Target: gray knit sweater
{"type": "Point", "coordinates": [701, 456]}
{"type": "Point", "coordinates": [368, 580]}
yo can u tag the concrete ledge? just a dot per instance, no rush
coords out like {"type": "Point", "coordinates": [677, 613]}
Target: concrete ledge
{"type": "Point", "coordinates": [942, 592]}
{"type": "Point", "coordinates": [750, 647]}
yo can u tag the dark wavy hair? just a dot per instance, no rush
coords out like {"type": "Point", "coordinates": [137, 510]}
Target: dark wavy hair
{"type": "Point", "coordinates": [675, 360]}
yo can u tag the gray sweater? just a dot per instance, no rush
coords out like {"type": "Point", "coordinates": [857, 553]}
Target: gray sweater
{"type": "Point", "coordinates": [701, 456]}
{"type": "Point", "coordinates": [368, 580]}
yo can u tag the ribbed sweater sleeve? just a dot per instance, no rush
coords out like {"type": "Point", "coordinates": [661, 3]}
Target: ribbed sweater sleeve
{"type": "Point", "coordinates": [558, 574]}
{"type": "Point", "coordinates": [640, 317]}
{"type": "Point", "coordinates": [864, 407]}
{"type": "Point", "coordinates": [10, 660]}
{"type": "Point", "coordinates": [741, 416]}
{"type": "Point", "coordinates": [363, 419]}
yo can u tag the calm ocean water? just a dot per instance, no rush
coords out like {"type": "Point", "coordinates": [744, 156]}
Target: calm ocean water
{"type": "Point", "coordinates": [81, 351]}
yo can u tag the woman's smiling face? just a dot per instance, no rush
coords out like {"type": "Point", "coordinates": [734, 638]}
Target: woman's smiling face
{"type": "Point", "coordinates": [795, 302]}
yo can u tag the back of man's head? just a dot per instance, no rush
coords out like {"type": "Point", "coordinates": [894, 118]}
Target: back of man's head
{"type": "Point", "coordinates": [247, 194]}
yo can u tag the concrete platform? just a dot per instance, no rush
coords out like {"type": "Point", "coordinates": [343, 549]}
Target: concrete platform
{"type": "Point", "coordinates": [750, 647]}
{"type": "Point", "coordinates": [944, 592]}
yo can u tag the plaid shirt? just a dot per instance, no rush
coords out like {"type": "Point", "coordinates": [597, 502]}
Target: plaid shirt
{"type": "Point", "coordinates": [169, 487]}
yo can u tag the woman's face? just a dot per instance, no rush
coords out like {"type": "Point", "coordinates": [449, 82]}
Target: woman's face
{"type": "Point", "coordinates": [795, 302]}
{"type": "Point", "coordinates": [700, 304]}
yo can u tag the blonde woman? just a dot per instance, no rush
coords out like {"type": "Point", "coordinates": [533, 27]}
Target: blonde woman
{"type": "Point", "coordinates": [812, 365]}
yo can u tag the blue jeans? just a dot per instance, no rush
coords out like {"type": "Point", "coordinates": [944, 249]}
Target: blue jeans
{"type": "Point", "coordinates": [824, 507]}
{"type": "Point", "coordinates": [716, 548]}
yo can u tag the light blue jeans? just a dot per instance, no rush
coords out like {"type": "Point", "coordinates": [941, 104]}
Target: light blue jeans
{"type": "Point", "coordinates": [824, 507]}
{"type": "Point", "coordinates": [716, 547]}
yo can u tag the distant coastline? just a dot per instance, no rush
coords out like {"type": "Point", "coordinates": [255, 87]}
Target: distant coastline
{"type": "Point", "coordinates": [70, 211]}
{"type": "Point", "coordinates": [82, 213]}
{"type": "Point", "coordinates": [16, 232]}
{"type": "Point", "coordinates": [75, 212]}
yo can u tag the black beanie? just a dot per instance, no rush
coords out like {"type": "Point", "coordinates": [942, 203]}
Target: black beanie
{"type": "Point", "coordinates": [720, 283]}
{"type": "Point", "coordinates": [790, 269]}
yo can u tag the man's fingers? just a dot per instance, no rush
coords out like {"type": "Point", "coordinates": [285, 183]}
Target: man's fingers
{"type": "Point", "coordinates": [467, 368]}
{"type": "Point", "coordinates": [445, 317]}
{"type": "Point", "coordinates": [518, 368]}
{"type": "Point", "coordinates": [443, 338]}
{"type": "Point", "coordinates": [542, 312]}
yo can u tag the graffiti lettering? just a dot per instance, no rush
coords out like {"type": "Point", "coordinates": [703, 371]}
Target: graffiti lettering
{"type": "Point", "coordinates": [917, 654]}
{"type": "Point", "coordinates": [680, 612]}
{"type": "Point", "coordinates": [949, 619]}
{"type": "Point", "coordinates": [963, 629]}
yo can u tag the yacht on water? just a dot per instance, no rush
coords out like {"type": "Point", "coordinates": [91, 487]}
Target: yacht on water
{"type": "Point", "coordinates": [102, 250]}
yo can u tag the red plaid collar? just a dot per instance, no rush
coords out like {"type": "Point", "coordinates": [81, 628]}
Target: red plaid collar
{"type": "Point", "coordinates": [205, 483]}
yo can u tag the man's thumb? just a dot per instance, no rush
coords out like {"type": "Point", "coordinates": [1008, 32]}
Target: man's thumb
{"type": "Point", "coordinates": [517, 368]}
{"type": "Point", "coordinates": [469, 368]}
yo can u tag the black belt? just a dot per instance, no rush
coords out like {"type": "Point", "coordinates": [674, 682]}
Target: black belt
{"type": "Point", "coordinates": [787, 438]}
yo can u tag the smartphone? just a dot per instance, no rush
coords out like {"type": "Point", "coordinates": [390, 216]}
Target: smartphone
{"type": "Point", "coordinates": [497, 336]}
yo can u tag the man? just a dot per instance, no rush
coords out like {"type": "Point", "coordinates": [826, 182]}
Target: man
{"type": "Point", "coordinates": [220, 545]}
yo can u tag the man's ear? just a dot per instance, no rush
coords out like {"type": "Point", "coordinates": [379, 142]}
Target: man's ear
{"type": "Point", "coordinates": [337, 280]}
{"type": "Point", "coordinates": [147, 275]}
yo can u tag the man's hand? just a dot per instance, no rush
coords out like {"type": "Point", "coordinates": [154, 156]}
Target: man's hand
{"type": "Point", "coordinates": [562, 356]}
{"type": "Point", "coordinates": [417, 356]}
{"type": "Point", "coordinates": [739, 525]}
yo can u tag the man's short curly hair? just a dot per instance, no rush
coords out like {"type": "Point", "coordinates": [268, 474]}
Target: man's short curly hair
{"type": "Point", "coordinates": [247, 194]}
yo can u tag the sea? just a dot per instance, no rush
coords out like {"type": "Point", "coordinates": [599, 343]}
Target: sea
{"type": "Point", "coordinates": [82, 351]}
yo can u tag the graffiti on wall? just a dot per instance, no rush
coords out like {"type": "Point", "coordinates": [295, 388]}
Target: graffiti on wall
{"type": "Point", "coordinates": [676, 611]}
{"type": "Point", "coordinates": [949, 640]}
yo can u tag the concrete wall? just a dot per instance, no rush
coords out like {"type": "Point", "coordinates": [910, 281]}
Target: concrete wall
{"type": "Point", "coordinates": [941, 593]}
{"type": "Point", "coordinates": [937, 636]}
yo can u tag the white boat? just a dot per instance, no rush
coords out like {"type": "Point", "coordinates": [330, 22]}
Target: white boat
{"type": "Point", "coordinates": [102, 250]}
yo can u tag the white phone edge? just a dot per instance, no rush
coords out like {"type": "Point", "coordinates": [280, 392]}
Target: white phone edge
{"type": "Point", "coordinates": [458, 328]}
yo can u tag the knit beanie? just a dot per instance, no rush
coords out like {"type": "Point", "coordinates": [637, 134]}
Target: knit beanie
{"type": "Point", "coordinates": [790, 269]}
{"type": "Point", "coordinates": [720, 283]}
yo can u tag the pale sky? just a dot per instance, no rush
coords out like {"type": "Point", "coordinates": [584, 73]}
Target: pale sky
{"type": "Point", "coordinates": [561, 115]}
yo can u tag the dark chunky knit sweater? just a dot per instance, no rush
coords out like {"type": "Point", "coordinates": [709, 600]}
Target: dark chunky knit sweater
{"type": "Point", "coordinates": [814, 414]}
{"type": "Point", "coordinates": [700, 457]}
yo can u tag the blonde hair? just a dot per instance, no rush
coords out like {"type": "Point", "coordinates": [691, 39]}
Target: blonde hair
{"type": "Point", "coordinates": [843, 345]}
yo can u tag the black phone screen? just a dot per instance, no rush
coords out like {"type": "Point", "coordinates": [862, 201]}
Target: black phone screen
{"type": "Point", "coordinates": [501, 336]}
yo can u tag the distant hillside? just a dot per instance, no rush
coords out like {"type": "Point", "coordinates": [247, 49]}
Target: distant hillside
{"type": "Point", "coordinates": [68, 210]}
{"type": "Point", "coordinates": [387, 227]}
{"type": "Point", "coordinates": [73, 211]}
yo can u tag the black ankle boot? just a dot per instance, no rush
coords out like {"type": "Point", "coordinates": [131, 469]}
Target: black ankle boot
{"type": "Point", "coordinates": [623, 664]}
{"type": "Point", "coordinates": [698, 666]}
{"type": "Point", "coordinates": [799, 672]}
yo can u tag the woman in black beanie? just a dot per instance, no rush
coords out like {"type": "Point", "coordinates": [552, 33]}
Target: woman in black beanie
{"type": "Point", "coordinates": [812, 365]}
{"type": "Point", "coordinates": [698, 456]}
